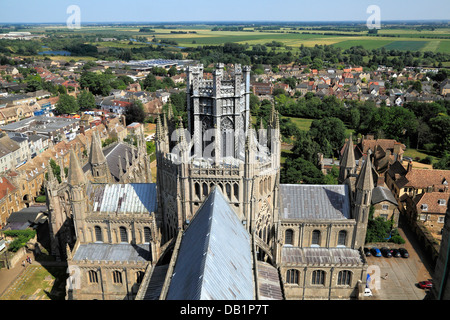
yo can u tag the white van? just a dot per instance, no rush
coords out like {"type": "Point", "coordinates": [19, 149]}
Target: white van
{"type": "Point", "coordinates": [368, 292]}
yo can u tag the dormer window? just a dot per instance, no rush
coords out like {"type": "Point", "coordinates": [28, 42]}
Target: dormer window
{"type": "Point", "coordinates": [441, 202]}
{"type": "Point", "coordinates": [424, 207]}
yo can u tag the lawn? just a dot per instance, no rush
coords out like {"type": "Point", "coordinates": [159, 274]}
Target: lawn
{"type": "Point", "coordinates": [301, 123]}
{"type": "Point", "coordinates": [38, 283]}
{"type": "Point", "coordinates": [414, 153]}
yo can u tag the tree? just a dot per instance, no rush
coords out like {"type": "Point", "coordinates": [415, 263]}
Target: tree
{"type": "Point", "coordinates": [440, 126]}
{"type": "Point", "coordinates": [172, 71]}
{"type": "Point", "coordinates": [135, 113]}
{"type": "Point", "coordinates": [328, 131]}
{"type": "Point", "coordinates": [150, 82]}
{"type": "Point", "coordinates": [399, 123]}
{"type": "Point", "coordinates": [443, 163]}
{"type": "Point", "coordinates": [305, 147]}
{"type": "Point", "coordinates": [417, 85]}
{"type": "Point", "coordinates": [67, 104]}
{"type": "Point", "coordinates": [299, 170]}
{"type": "Point", "coordinates": [86, 100]}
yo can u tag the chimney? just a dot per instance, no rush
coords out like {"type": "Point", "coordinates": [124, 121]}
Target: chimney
{"type": "Point", "coordinates": [409, 168]}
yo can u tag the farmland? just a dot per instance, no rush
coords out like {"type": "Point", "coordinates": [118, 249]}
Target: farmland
{"type": "Point", "coordinates": [412, 38]}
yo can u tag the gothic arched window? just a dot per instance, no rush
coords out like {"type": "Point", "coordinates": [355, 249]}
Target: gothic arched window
{"type": "Point", "coordinates": [205, 189]}
{"type": "Point", "coordinates": [197, 190]}
{"type": "Point", "coordinates": [139, 277]}
{"type": "Point", "coordinates": [147, 235]}
{"type": "Point", "coordinates": [117, 277]}
{"type": "Point", "coordinates": [93, 276]}
{"type": "Point", "coordinates": [289, 237]}
{"type": "Point", "coordinates": [227, 137]}
{"type": "Point", "coordinates": [236, 191]}
{"type": "Point", "coordinates": [292, 276]}
{"type": "Point", "coordinates": [342, 238]}
{"type": "Point", "coordinates": [344, 278]}
{"type": "Point", "coordinates": [318, 277]}
{"type": "Point", "coordinates": [315, 237]}
{"type": "Point", "coordinates": [123, 234]}
{"type": "Point", "coordinates": [98, 234]}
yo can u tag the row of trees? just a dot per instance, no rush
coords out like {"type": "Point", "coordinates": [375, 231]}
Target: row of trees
{"type": "Point", "coordinates": [418, 125]}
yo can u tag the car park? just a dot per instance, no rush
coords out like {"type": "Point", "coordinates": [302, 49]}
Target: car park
{"type": "Point", "coordinates": [396, 253]}
{"type": "Point", "coordinates": [404, 252]}
{"type": "Point", "coordinates": [386, 252]}
{"type": "Point", "coordinates": [367, 252]}
{"type": "Point", "coordinates": [375, 252]}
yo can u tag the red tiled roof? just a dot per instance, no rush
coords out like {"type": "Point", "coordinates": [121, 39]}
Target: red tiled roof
{"type": "Point", "coordinates": [5, 186]}
{"type": "Point", "coordinates": [431, 199]}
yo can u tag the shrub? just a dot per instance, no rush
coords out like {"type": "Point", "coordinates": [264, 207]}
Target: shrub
{"type": "Point", "coordinates": [41, 199]}
{"type": "Point", "coordinates": [21, 238]}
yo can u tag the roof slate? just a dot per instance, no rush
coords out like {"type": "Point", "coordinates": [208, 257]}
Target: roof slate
{"type": "Point", "coordinates": [380, 194]}
{"type": "Point", "coordinates": [312, 202]}
{"type": "Point", "coordinates": [211, 264]}
{"type": "Point", "coordinates": [123, 198]}
{"type": "Point", "coordinates": [320, 256]}
{"type": "Point", "coordinates": [112, 252]}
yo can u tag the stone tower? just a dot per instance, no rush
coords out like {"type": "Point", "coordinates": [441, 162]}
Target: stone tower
{"type": "Point", "coordinates": [363, 197]}
{"type": "Point", "coordinates": [99, 165]}
{"type": "Point", "coordinates": [347, 163]}
{"type": "Point", "coordinates": [219, 148]}
{"type": "Point", "coordinates": [77, 182]}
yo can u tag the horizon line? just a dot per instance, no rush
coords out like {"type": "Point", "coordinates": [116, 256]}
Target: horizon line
{"type": "Point", "coordinates": [232, 21]}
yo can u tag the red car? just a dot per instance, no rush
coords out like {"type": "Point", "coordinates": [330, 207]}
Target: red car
{"type": "Point", "coordinates": [425, 284]}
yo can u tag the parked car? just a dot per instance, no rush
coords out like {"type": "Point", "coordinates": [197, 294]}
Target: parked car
{"type": "Point", "coordinates": [404, 252]}
{"type": "Point", "coordinates": [386, 252]}
{"type": "Point", "coordinates": [425, 284]}
{"type": "Point", "coordinates": [376, 252]}
{"type": "Point", "coordinates": [367, 252]}
{"type": "Point", "coordinates": [396, 253]}
{"type": "Point", "coordinates": [368, 292]}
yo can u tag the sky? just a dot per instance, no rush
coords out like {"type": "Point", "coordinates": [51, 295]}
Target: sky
{"type": "Point", "coordinates": [55, 11]}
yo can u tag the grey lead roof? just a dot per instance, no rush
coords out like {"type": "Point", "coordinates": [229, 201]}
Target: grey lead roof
{"type": "Point", "coordinates": [380, 194]}
{"type": "Point", "coordinates": [214, 260]}
{"type": "Point", "coordinates": [115, 153]}
{"type": "Point", "coordinates": [312, 202]}
{"type": "Point", "coordinates": [112, 252]}
{"type": "Point", "coordinates": [319, 256]}
{"type": "Point", "coordinates": [123, 198]}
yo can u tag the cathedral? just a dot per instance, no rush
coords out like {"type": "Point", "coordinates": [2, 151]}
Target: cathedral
{"type": "Point", "coordinates": [217, 224]}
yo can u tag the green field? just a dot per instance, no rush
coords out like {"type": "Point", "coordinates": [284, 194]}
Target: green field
{"type": "Point", "coordinates": [394, 38]}
{"type": "Point", "coordinates": [367, 44]}
{"type": "Point", "coordinates": [406, 45]}
{"type": "Point", "coordinates": [444, 47]}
